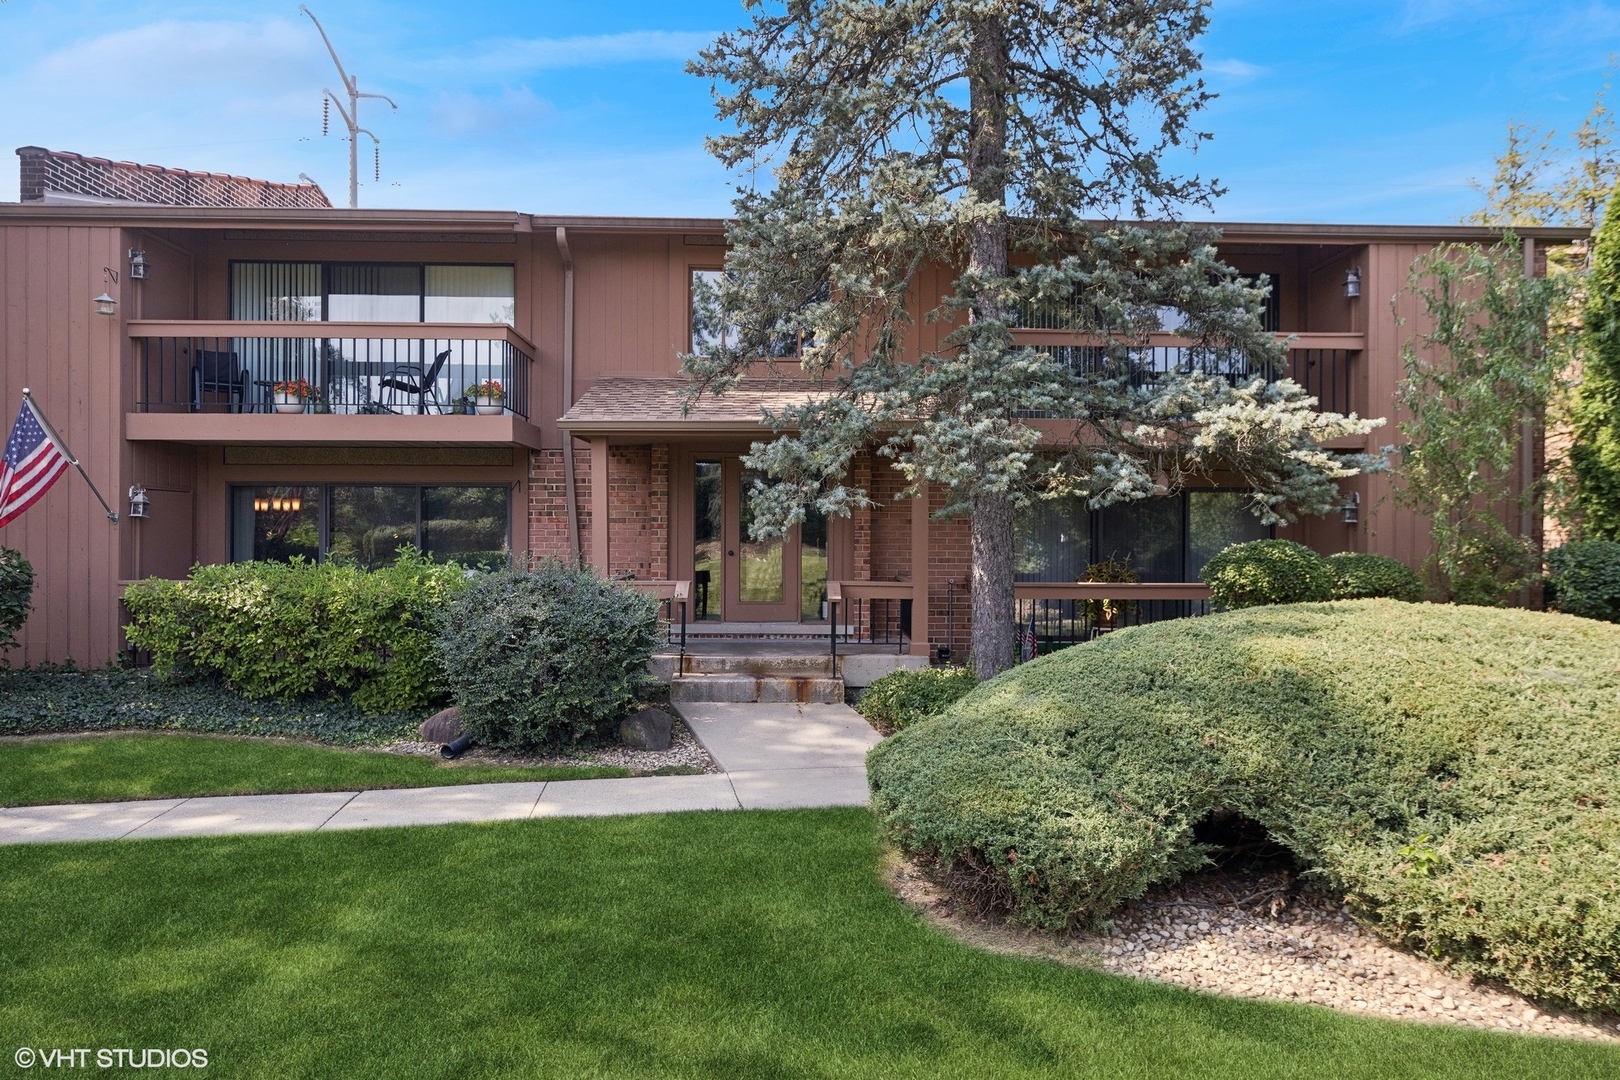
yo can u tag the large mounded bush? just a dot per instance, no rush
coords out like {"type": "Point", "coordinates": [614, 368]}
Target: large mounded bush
{"type": "Point", "coordinates": [1267, 572]}
{"type": "Point", "coordinates": [1454, 771]}
{"type": "Point", "coordinates": [16, 594]}
{"type": "Point", "coordinates": [1585, 579]}
{"type": "Point", "coordinates": [1361, 575]}
{"type": "Point", "coordinates": [546, 657]}
{"type": "Point", "coordinates": [298, 630]}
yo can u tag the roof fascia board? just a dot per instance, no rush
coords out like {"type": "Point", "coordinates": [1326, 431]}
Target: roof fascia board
{"type": "Point", "coordinates": [210, 217]}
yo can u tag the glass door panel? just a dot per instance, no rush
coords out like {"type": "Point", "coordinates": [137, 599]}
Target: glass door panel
{"type": "Point", "coordinates": [761, 579]}
{"type": "Point", "coordinates": [708, 539]}
{"type": "Point", "coordinates": [761, 570]}
{"type": "Point", "coordinates": [813, 566]}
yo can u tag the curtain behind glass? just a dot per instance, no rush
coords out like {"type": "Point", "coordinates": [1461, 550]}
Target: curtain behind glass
{"type": "Point", "coordinates": [276, 291]}
{"type": "Point", "coordinates": [1147, 532]}
{"type": "Point", "coordinates": [1051, 540]}
{"type": "Point", "coordinates": [469, 294]}
{"type": "Point", "coordinates": [358, 292]}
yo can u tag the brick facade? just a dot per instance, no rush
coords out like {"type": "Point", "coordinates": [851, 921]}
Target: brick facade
{"type": "Point", "coordinates": [45, 172]}
{"type": "Point", "coordinates": [638, 507]}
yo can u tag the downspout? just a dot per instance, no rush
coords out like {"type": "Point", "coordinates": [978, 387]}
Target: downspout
{"type": "Point", "coordinates": [575, 554]}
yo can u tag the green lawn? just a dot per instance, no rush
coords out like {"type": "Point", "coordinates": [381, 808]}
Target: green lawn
{"type": "Point", "coordinates": [103, 768]}
{"type": "Point", "coordinates": [747, 945]}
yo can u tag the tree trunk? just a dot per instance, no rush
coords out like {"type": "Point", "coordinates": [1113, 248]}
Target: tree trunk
{"type": "Point", "coordinates": [992, 580]}
{"type": "Point", "coordinates": [992, 584]}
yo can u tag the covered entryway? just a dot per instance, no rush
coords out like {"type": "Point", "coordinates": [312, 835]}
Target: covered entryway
{"type": "Point", "coordinates": [737, 578]}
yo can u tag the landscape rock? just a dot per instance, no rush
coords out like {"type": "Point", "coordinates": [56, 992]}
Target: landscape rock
{"type": "Point", "coordinates": [648, 729]}
{"type": "Point", "coordinates": [441, 727]}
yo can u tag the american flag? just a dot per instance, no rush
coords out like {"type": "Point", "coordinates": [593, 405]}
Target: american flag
{"type": "Point", "coordinates": [33, 462]}
{"type": "Point", "coordinates": [1026, 641]}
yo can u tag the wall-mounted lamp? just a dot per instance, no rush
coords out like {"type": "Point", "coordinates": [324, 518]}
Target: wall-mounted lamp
{"type": "Point", "coordinates": [1352, 282]}
{"type": "Point", "coordinates": [139, 504]}
{"type": "Point", "coordinates": [261, 505]}
{"type": "Point", "coordinates": [137, 264]}
{"type": "Point", "coordinates": [1350, 512]}
{"type": "Point", "coordinates": [106, 305]}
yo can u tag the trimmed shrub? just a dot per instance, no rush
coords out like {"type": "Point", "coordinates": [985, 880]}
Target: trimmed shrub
{"type": "Point", "coordinates": [547, 657]}
{"type": "Point", "coordinates": [16, 595]}
{"type": "Point", "coordinates": [296, 630]}
{"type": "Point", "coordinates": [39, 702]}
{"type": "Point", "coordinates": [1490, 569]}
{"type": "Point", "coordinates": [1585, 579]}
{"type": "Point", "coordinates": [1359, 575]}
{"type": "Point", "coordinates": [1267, 572]}
{"type": "Point", "coordinates": [901, 698]}
{"type": "Point", "coordinates": [1455, 772]}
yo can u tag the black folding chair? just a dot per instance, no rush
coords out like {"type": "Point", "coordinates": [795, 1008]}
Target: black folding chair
{"type": "Point", "coordinates": [411, 379]}
{"type": "Point", "coordinates": [218, 372]}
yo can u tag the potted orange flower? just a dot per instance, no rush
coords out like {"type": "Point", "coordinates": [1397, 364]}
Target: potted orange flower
{"type": "Point", "coordinates": [291, 395]}
{"type": "Point", "coordinates": [487, 397]}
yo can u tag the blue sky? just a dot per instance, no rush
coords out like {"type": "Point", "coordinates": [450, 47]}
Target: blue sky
{"type": "Point", "coordinates": [1329, 111]}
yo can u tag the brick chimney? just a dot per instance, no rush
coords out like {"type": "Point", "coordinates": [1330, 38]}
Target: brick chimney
{"type": "Point", "coordinates": [33, 172]}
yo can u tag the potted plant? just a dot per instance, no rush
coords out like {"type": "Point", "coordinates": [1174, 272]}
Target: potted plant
{"type": "Point", "coordinates": [292, 395]}
{"type": "Point", "coordinates": [487, 397]}
{"type": "Point", "coordinates": [1103, 614]}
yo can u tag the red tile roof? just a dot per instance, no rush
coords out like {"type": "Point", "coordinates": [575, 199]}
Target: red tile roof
{"type": "Point", "coordinates": [76, 176]}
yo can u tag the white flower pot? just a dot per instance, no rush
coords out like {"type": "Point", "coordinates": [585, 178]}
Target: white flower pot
{"type": "Point", "coordinates": [287, 403]}
{"type": "Point", "coordinates": [488, 406]}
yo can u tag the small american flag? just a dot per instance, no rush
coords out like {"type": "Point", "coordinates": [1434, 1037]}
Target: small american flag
{"type": "Point", "coordinates": [1026, 641]}
{"type": "Point", "coordinates": [32, 463]}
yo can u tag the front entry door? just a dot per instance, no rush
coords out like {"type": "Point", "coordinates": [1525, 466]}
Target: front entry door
{"type": "Point", "coordinates": [761, 576]}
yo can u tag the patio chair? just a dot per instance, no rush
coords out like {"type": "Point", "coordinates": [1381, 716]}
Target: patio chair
{"type": "Point", "coordinates": [218, 372]}
{"type": "Point", "coordinates": [412, 380]}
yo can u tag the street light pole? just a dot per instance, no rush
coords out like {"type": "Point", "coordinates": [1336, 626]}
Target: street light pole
{"type": "Point", "coordinates": [351, 115]}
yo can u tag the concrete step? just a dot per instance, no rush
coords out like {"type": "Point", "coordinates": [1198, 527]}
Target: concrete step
{"type": "Point", "coordinates": [778, 665]}
{"type": "Point", "coordinates": [756, 688]}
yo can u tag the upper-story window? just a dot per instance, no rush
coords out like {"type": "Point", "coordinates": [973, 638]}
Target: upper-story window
{"type": "Point", "coordinates": [713, 326]}
{"type": "Point", "coordinates": [372, 292]}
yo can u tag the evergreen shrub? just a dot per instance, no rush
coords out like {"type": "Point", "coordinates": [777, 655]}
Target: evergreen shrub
{"type": "Point", "coordinates": [1585, 579]}
{"type": "Point", "coordinates": [901, 698]}
{"type": "Point", "coordinates": [299, 630]}
{"type": "Point", "coordinates": [1356, 733]}
{"type": "Point", "coordinates": [547, 657]}
{"type": "Point", "coordinates": [1267, 572]}
{"type": "Point", "coordinates": [1359, 575]}
{"type": "Point", "coordinates": [16, 594]}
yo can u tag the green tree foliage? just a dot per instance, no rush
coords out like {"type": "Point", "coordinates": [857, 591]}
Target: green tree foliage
{"type": "Point", "coordinates": [1450, 769]}
{"type": "Point", "coordinates": [1473, 384]}
{"type": "Point", "coordinates": [16, 595]}
{"type": "Point", "coordinates": [908, 136]}
{"type": "Point", "coordinates": [1585, 579]}
{"type": "Point", "coordinates": [1542, 180]}
{"type": "Point", "coordinates": [1594, 455]}
{"type": "Point", "coordinates": [1267, 572]}
{"type": "Point", "coordinates": [547, 657]}
{"type": "Point", "coordinates": [297, 630]}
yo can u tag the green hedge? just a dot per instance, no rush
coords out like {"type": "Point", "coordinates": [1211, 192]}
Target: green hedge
{"type": "Point", "coordinates": [901, 698]}
{"type": "Point", "coordinates": [289, 631]}
{"type": "Point", "coordinates": [1360, 575]}
{"type": "Point", "coordinates": [1454, 771]}
{"type": "Point", "coordinates": [1267, 572]}
{"type": "Point", "coordinates": [546, 657]}
{"type": "Point", "coordinates": [37, 702]}
{"type": "Point", "coordinates": [16, 595]}
{"type": "Point", "coordinates": [1585, 579]}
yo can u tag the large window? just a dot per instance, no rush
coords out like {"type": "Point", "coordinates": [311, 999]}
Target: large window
{"type": "Point", "coordinates": [713, 326]}
{"type": "Point", "coordinates": [1164, 539]}
{"type": "Point", "coordinates": [373, 292]}
{"type": "Point", "coordinates": [368, 524]}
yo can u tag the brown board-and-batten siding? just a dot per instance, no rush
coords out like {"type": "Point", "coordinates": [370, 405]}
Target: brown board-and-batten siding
{"type": "Point", "coordinates": [72, 359]}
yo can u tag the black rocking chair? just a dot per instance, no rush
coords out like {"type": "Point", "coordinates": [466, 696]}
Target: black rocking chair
{"type": "Point", "coordinates": [218, 372]}
{"type": "Point", "coordinates": [411, 379]}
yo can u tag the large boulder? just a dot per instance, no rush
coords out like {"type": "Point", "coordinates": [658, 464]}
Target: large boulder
{"type": "Point", "coordinates": [646, 729]}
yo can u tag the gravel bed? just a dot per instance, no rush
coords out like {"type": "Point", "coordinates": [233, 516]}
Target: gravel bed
{"type": "Point", "coordinates": [684, 753]}
{"type": "Point", "coordinates": [1258, 936]}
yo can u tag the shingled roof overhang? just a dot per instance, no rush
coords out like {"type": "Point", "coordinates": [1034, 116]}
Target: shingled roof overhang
{"type": "Point", "coordinates": [618, 406]}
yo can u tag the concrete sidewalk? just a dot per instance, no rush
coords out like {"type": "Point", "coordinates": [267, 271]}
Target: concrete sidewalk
{"type": "Point", "coordinates": [774, 756]}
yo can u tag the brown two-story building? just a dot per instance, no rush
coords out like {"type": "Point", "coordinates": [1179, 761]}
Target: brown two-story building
{"type": "Point", "coordinates": [287, 379]}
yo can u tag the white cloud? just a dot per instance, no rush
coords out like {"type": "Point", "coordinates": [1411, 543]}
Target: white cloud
{"type": "Point", "coordinates": [230, 56]}
{"type": "Point", "coordinates": [1237, 71]}
{"type": "Point", "coordinates": [460, 115]}
{"type": "Point", "coordinates": [531, 54]}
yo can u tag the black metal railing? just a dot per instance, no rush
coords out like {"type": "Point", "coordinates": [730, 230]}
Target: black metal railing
{"type": "Point", "coordinates": [344, 375]}
{"type": "Point", "coordinates": [1059, 614]}
{"type": "Point", "coordinates": [862, 621]}
{"type": "Point", "coordinates": [1324, 373]}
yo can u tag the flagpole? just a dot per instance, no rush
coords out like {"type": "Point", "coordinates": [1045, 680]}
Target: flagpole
{"type": "Point", "coordinates": [39, 414]}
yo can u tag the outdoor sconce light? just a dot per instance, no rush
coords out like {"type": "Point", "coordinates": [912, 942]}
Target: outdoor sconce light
{"type": "Point", "coordinates": [137, 264]}
{"type": "Point", "coordinates": [1350, 512]}
{"type": "Point", "coordinates": [1352, 282]}
{"type": "Point", "coordinates": [106, 305]}
{"type": "Point", "coordinates": [139, 504]}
